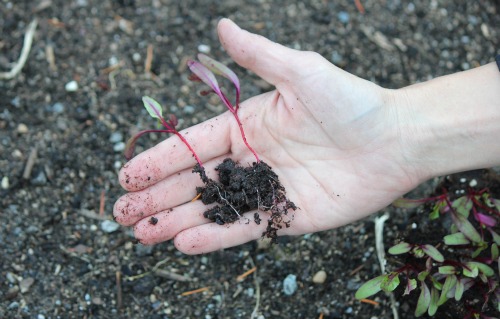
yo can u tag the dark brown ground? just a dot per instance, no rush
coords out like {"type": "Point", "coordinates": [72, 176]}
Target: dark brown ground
{"type": "Point", "coordinates": [56, 261]}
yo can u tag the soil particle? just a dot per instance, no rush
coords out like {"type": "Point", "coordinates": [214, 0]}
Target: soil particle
{"type": "Point", "coordinates": [243, 189]}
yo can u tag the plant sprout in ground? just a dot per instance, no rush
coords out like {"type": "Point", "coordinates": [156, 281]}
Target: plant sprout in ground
{"type": "Point", "coordinates": [239, 189]}
{"type": "Point", "coordinates": [466, 259]}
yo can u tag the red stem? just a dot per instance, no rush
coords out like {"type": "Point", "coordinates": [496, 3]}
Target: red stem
{"type": "Point", "coordinates": [189, 147]}
{"type": "Point", "coordinates": [244, 137]}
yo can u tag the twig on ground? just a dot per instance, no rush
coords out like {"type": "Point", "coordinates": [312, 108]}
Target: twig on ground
{"type": "Point", "coordinates": [118, 290]}
{"type": "Point", "coordinates": [51, 58]}
{"type": "Point", "coordinates": [356, 270]}
{"type": "Point", "coordinates": [149, 59]}
{"type": "Point", "coordinates": [192, 292]}
{"type": "Point", "coordinates": [25, 51]}
{"type": "Point", "coordinates": [246, 273]}
{"type": "Point", "coordinates": [257, 291]}
{"type": "Point", "coordinates": [359, 6]}
{"type": "Point", "coordinates": [379, 245]}
{"type": "Point", "coordinates": [30, 163]}
{"type": "Point", "coordinates": [102, 201]}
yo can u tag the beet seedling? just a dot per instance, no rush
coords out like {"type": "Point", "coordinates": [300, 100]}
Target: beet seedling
{"type": "Point", "coordinates": [204, 71]}
{"type": "Point", "coordinates": [466, 258]}
{"type": "Point", "coordinates": [155, 111]}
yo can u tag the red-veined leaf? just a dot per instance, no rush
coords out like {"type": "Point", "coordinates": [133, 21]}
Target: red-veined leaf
{"type": "Point", "coordinates": [423, 300]}
{"type": "Point", "coordinates": [370, 287]}
{"type": "Point", "coordinates": [432, 252]}
{"type": "Point", "coordinates": [400, 248]}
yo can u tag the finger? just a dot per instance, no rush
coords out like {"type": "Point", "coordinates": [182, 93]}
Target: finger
{"type": "Point", "coordinates": [165, 225]}
{"type": "Point", "coordinates": [170, 192]}
{"type": "Point", "coordinates": [209, 139]}
{"type": "Point", "coordinates": [211, 237]}
{"type": "Point", "coordinates": [269, 60]}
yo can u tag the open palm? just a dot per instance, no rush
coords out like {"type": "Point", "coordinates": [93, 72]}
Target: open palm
{"type": "Point", "coordinates": [331, 137]}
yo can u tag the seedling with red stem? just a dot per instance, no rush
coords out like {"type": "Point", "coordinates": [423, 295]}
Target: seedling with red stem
{"type": "Point", "coordinates": [155, 111]}
{"type": "Point", "coordinates": [205, 70]}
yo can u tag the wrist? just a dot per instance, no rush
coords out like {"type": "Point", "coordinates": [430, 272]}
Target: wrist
{"type": "Point", "coordinates": [451, 123]}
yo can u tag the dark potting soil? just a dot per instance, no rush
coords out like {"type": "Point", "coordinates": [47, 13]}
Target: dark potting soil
{"type": "Point", "coordinates": [243, 189]}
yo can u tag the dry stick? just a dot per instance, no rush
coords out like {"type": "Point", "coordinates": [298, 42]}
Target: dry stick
{"type": "Point", "coordinates": [29, 164]}
{"type": "Point", "coordinates": [28, 40]}
{"type": "Point", "coordinates": [118, 290]}
{"type": "Point", "coordinates": [192, 292]}
{"type": "Point", "coordinates": [149, 59]}
{"type": "Point", "coordinates": [102, 201]}
{"type": "Point", "coordinates": [257, 291]}
{"type": "Point", "coordinates": [379, 246]}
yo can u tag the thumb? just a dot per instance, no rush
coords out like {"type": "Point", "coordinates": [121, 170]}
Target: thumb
{"type": "Point", "coordinates": [271, 61]}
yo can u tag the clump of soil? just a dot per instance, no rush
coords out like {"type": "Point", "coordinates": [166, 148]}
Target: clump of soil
{"type": "Point", "coordinates": [243, 189]}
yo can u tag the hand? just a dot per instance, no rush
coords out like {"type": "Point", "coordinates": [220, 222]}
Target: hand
{"type": "Point", "coordinates": [332, 138]}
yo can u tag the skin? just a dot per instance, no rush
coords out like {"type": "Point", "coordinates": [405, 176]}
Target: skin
{"type": "Point", "coordinates": [343, 147]}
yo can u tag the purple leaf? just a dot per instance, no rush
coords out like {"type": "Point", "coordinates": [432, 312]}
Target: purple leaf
{"type": "Point", "coordinates": [411, 284]}
{"type": "Point", "coordinates": [205, 75]}
{"type": "Point", "coordinates": [154, 108]}
{"type": "Point", "coordinates": [220, 69]}
{"type": "Point", "coordinates": [466, 227]}
{"type": "Point", "coordinates": [486, 220]}
{"type": "Point", "coordinates": [423, 300]}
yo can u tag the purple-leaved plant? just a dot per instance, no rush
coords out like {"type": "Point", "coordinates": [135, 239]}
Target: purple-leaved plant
{"type": "Point", "coordinates": [155, 111]}
{"type": "Point", "coordinates": [205, 70]}
{"type": "Point", "coordinates": [470, 257]}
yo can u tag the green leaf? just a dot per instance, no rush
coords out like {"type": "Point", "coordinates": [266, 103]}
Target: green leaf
{"type": "Point", "coordinates": [433, 305]}
{"type": "Point", "coordinates": [466, 227]}
{"type": "Point", "coordinates": [459, 290]}
{"type": "Point", "coordinates": [481, 247]}
{"type": "Point", "coordinates": [432, 252]}
{"type": "Point", "coordinates": [408, 203]}
{"type": "Point", "coordinates": [483, 268]}
{"type": "Point", "coordinates": [449, 284]}
{"type": "Point", "coordinates": [435, 283]}
{"type": "Point", "coordinates": [494, 251]}
{"type": "Point", "coordinates": [400, 248]}
{"type": "Point", "coordinates": [424, 300]}
{"type": "Point", "coordinates": [496, 237]}
{"type": "Point", "coordinates": [370, 287]}
{"type": "Point", "coordinates": [411, 284]}
{"type": "Point", "coordinates": [447, 270]}
{"type": "Point", "coordinates": [154, 108]}
{"type": "Point", "coordinates": [470, 270]}
{"type": "Point", "coordinates": [418, 252]}
{"type": "Point", "coordinates": [422, 275]}
{"type": "Point", "coordinates": [456, 239]}
{"type": "Point", "coordinates": [462, 206]}
{"type": "Point", "coordinates": [391, 282]}
{"type": "Point", "coordinates": [436, 209]}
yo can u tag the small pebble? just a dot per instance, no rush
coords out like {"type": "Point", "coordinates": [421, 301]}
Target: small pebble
{"type": "Point", "coordinates": [26, 284]}
{"type": "Point", "coordinates": [40, 179]}
{"type": "Point", "coordinates": [473, 183]}
{"type": "Point", "coordinates": [136, 57]}
{"type": "Point", "coordinates": [189, 109]}
{"type": "Point", "coordinates": [116, 137]}
{"type": "Point", "coordinates": [22, 128]}
{"type": "Point", "coordinates": [203, 48]}
{"type": "Point", "coordinates": [290, 285]}
{"type": "Point", "coordinates": [343, 16]}
{"type": "Point", "coordinates": [13, 305]}
{"type": "Point", "coordinates": [109, 226]}
{"type": "Point", "coordinates": [119, 147]}
{"type": "Point", "coordinates": [17, 154]}
{"type": "Point", "coordinates": [71, 86]}
{"type": "Point", "coordinates": [16, 101]}
{"type": "Point", "coordinates": [40, 316]}
{"type": "Point", "coordinates": [5, 182]}
{"type": "Point", "coordinates": [58, 107]}
{"type": "Point", "coordinates": [319, 277]}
